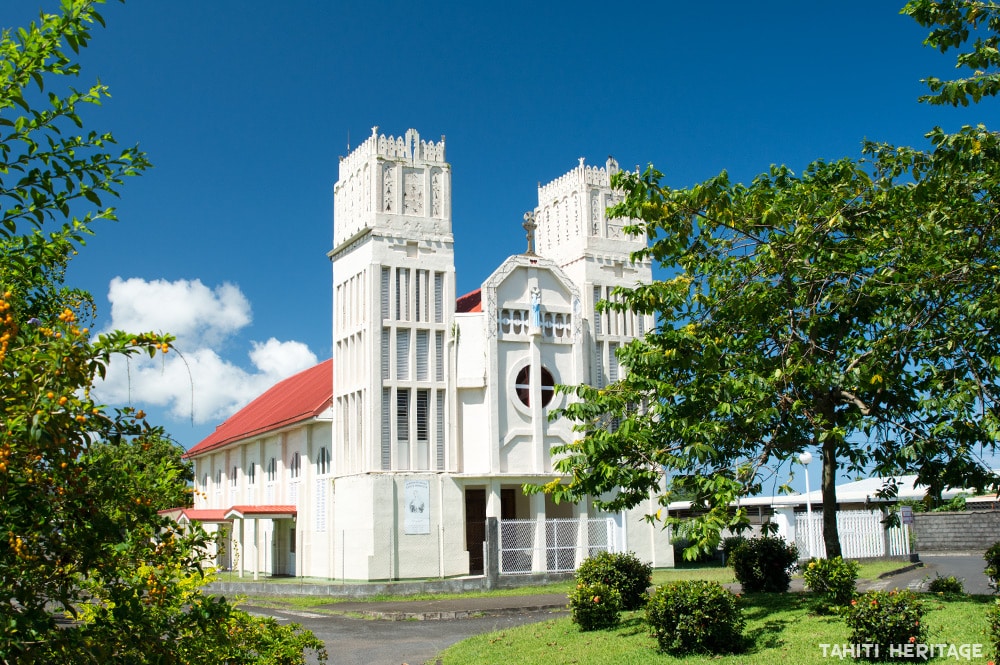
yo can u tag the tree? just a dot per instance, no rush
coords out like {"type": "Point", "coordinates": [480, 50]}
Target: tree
{"type": "Point", "coordinates": [953, 23]}
{"type": "Point", "coordinates": [89, 572]}
{"type": "Point", "coordinates": [852, 308]}
{"type": "Point", "coordinates": [152, 463]}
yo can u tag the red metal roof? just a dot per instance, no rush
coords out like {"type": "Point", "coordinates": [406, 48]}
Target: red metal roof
{"type": "Point", "coordinates": [202, 515]}
{"type": "Point", "coordinates": [470, 302]}
{"type": "Point", "coordinates": [241, 512]}
{"type": "Point", "coordinates": [297, 398]}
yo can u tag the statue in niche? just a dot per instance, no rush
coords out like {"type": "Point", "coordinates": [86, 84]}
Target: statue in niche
{"type": "Point", "coordinates": [536, 307]}
{"type": "Point", "coordinates": [387, 189]}
{"type": "Point", "coordinates": [436, 194]}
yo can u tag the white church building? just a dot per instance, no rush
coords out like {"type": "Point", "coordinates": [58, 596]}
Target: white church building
{"type": "Point", "coordinates": [385, 462]}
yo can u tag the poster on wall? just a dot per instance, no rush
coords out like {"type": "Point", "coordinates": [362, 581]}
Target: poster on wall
{"type": "Point", "coordinates": [417, 520]}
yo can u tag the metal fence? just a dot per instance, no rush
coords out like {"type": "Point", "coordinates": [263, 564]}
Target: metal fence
{"type": "Point", "coordinates": [862, 535]}
{"type": "Point", "coordinates": [553, 546]}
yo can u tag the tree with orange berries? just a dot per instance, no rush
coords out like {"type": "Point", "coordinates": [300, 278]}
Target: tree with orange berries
{"type": "Point", "coordinates": [89, 572]}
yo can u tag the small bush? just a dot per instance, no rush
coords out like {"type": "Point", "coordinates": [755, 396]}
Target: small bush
{"type": "Point", "coordinates": [621, 570]}
{"type": "Point", "coordinates": [993, 619]}
{"type": "Point", "coordinates": [696, 616]}
{"type": "Point", "coordinates": [886, 619]}
{"type": "Point", "coordinates": [949, 587]}
{"type": "Point", "coordinates": [763, 564]}
{"type": "Point", "coordinates": [729, 544]}
{"type": "Point", "coordinates": [992, 557]}
{"type": "Point", "coordinates": [832, 579]}
{"type": "Point", "coordinates": [595, 606]}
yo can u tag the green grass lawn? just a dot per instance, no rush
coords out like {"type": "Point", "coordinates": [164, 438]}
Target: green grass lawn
{"type": "Point", "coordinates": [782, 630]}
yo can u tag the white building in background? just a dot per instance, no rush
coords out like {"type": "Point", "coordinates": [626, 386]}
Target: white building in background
{"type": "Point", "coordinates": [386, 462]}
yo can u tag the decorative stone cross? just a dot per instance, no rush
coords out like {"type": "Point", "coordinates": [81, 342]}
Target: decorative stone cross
{"type": "Point", "coordinates": [530, 226]}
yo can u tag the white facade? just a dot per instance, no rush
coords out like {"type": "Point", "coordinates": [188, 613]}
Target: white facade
{"type": "Point", "coordinates": [437, 416]}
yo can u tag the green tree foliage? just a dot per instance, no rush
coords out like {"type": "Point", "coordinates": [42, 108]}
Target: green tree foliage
{"type": "Point", "coordinates": [151, 462]}
{"type": "Point", "coordinates": [89, 572]}
{"type": "Point", "coordinates": [953, 23]}
{"type": "Point", "coordinates": [852, 308]}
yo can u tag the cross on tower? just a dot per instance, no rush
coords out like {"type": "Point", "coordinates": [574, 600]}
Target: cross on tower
{"type": "Point", "coordinates": [530, 226]}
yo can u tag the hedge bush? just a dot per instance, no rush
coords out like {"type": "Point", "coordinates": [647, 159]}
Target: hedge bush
{"type": "Point", "coordinates": [595, 606]}
{"type": "Point", "coordinates": [992, 557]}
{"type": "Point", "coordinates": [763, 564]}
{"type": "Point", "coordinates": [886, 620]}
{"type": "Point", "coordinates": [993, 630]}
{"type": "Point", "coordinates": [696, 616]}
{"type": "Point", "coordinates": [621, 570]}
{"type": "Point", "coordinates": [949, 587]}
{"type": "Point", "coordinates": [832, 580]}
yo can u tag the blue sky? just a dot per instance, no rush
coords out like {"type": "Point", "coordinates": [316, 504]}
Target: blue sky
{"type": "Point", "coordinates": [244, 108]}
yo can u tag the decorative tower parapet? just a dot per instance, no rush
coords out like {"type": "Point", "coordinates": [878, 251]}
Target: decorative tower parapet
{"type": "Point", "coordinates": [398, 184]}
{"type": "Point", "coordinates": [572, 214]}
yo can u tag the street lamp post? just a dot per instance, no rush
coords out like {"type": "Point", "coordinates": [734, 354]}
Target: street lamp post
{"type": "Point", "coordinates": [804, 459]}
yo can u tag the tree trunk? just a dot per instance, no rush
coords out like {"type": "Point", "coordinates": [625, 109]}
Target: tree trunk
{"type": "Point", "coordinates": [831, 535]}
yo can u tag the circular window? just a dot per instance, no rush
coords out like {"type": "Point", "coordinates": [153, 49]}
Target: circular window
{"type": "Point", "coordinates": [522, 385]}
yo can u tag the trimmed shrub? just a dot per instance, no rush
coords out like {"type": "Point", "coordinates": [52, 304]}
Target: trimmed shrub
{"type": "Point", "coordinates": [832, 579]}
{"type": "Point", "coordinates": [886, 620]}
{"type": "Point", "coordinates": [595, 606]}
{"type": "Point", "coordinates": [992, 557]}
{"type": "Point", "coordinates": [993, 630]}
{"type": "Point", "coordinates": [949, 587]}
{"type": "Point", "coordinates": [729, 544]}
{"type": "Point", "coordinates": [763, 564]}
{"type": "Point", "coordinates": [696, 616]}
{"type": "Point", "coordinates": [621, 570]}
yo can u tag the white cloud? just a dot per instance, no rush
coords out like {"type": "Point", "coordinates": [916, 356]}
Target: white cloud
{"type": "Point", "coordinates": [187, 309]}
{"type": "Point", "coordinates": [197, 383]}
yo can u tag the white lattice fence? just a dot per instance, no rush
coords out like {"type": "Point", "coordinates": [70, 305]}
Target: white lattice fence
{"type": "Point", "coordinates": [528, 546]}
{"type": "Point", "coordinates": [862, 535]}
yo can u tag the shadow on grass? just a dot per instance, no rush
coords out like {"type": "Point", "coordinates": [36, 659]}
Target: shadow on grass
{"type": "Point", "coordinates": [633, 625]}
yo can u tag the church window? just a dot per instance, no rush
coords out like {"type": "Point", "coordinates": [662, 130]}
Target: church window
{"type": "Point", "coordinates": [218, 478]}
{"type": "Point", "coordinates": [403, 415]}
{"type": "Point", "coordinates": [232, 477]}
{"type": "Point", "coordinates": [612, 362]}
{"type": "Point", "coordinates": [522, 385]}
{"type": "Point", "coordinates": [323, 461]}
{"type": "Point", "coordinates": [385, 353]}
{"type": "Point", "coordinates": [296, 465]}
{"type": "Point", "coordinates": [402, 294]}
{"type": "Point", "coordinates": [385, 293]}
{"type": "Point", "coordinates": [439, 356]}
{"type": "Point", "coordinates": [251, 473]}
{"type": "Point", "coordinates": [423, 414]}
{"type": "Point", "coordinates": [272, 470]}
{"type": "Point", "coordinates": [438, 297]}
{"type": "Point", "coordinates": [386, 449]}
{"type": "Point", "coordinates": [423, 350]}
{"type": "Point", "coordinates": [403, 354]}
{"type": "Point", "coordinates": [439, 434]}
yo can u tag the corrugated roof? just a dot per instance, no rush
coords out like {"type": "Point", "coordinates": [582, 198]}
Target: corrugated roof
{"type": "Point", "coordinates": [203, 515]}
{"type": "Point", "coordinates": [254, 512]}
{"type": "Point", "coordinates": [470, 302]}
{"type": "Point", "coordinates": [297, 398]}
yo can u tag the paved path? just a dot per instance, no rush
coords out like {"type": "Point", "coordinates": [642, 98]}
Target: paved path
{"type": "Point", "coordinates": [968, 567]}
{"type": "Point", "coordinates": [414, 632]}
{"type": "Point", "coordinates": [357, 641]}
